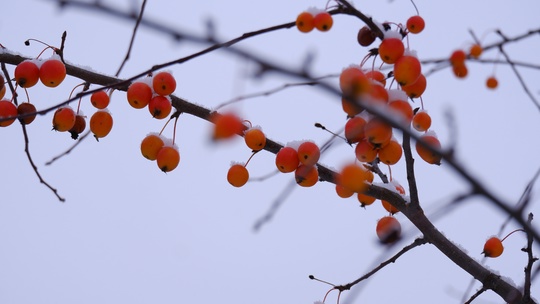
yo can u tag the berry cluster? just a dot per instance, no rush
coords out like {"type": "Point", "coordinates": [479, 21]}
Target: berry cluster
{"type": "Point", "coordinates": [459, 68]}
{"type": "Point", "coordinates": [153, 91]}
{"type": "Point", "coordinates": [301, 158]}
{"type": "Point", "coordinates": [50, 72]}
{"type": "Point", "coordinates": [314, 18]}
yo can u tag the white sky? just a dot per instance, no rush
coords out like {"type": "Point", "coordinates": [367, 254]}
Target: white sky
{"type": "Point", "coordinates": [130, 234]}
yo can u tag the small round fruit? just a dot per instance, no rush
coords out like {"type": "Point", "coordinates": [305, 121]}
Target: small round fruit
{"type": "Point", "coordinates": [101, 123]}
{"type": "Point", "coordinates": [226, 125]}
{"type": "Point", "coordinates": [476, 50]}
{"type": "Point", "coordinates": [100, 99]}
{"type": "Point", "coordinates": [139, 94]}
{"type": "Point", "coordinates": [27, 74]}
{"type": "Point", "coordinates": [493, 247]}
{"type": "Point", "coordinates": [308, 153]}
{"type": "Point", "coordinates": [305, 22]}
{"type": "Point", "coordinates": [323, 21]}
{"type": "Point", "coordinates": [417, 88]}
{"type": "Point", "coordinates": [426, 154]}
{"type": "Point", "coordinates": [78, 127]}
{"type": "Point", "coordinates": [353, 177]}
{"type": "Point", "coordinates": [26, 108]}
{"type": "Point", "coordinates": [388, 230]}
{"type": "Point", "coordinates": [354, 129]}
{"type": "Point", "coordinates": [7, 109]}
{"type": "Point", "coordinates": [168, 158]}
{"type": "Point", "coordinates": [163, 83]}
{"type": "Point", "coordinates": [365, 151]}
{"type": "Point", "coordinates": [415, 24]}
{"type": "Point", "coordinates": [343, 192]}
{"type": "Point", "coordinates": [391, 49]}
{"type": "Point", "coordinates": [353, 82]}
{"type": "Point", "coordinates": [63, 119]}
{"type": "Point", "coordinates": [458, 57]}
{"type": "Point", "coordinates": [421, 121]}
{"type": "Point", "coordinates": [492, 82]}
{"type": "Point", "coordinates": [160, 107]}
{"type": "Point", "coordinates": [306, 176]}
{"type": "Point", "coordinates": [151, 145]}
{"type": "Point", "coordinates": [52, 72]}
{"type": "Point", "coordinates": [407, 69]}
{"type": "Point", "coordinates": [391, 153]}
{"type": "Point", "coordinates": [365, 200]}
{"type": "Point", "coordinates": [460, 70]}
{"type": "Point", "coordinates": [237, 175]}
{"type": "Point", "coordinates": [377, 131]}
{"type": "Point", "coordinates": [365, 36]}
{"type": "Point", "coordinates": [287, 160]}
{"type": "Point", "coordinates": [255, 139]}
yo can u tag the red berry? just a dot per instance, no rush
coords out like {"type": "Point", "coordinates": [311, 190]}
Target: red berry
{"type": "Point", "coordinates": [163, 83]}
{"type": "Point", "coordinates": [52, 72]}
{"type": "Point", "coordinates": [7, 109]}
{"type": "Point", "coordinates": [26, 74]}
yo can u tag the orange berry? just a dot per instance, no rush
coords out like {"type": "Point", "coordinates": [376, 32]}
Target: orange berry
{"type": "Point", "coordinates": [237, 175]}
{"type": "Point", "coordinates": [377, 95]}
{"type": "Point", "coordinates": [7, 109]}
{"type": "Point", "coordinates": [391, 49]}
{"type": "Point", "coordinates": [365, 152]}
{"type": "Point", "coordinates": [493, 247]}
{"type": "Point", "coordinates": [255, 139]}
{"type": "Point", "coordinates": [52, 72]}
{"type": "Point", "coordinates": [403, 109]}
{"type": "Point", "coordinates": [160, 107]}
{"type": "Point", "coordinates": [287, 160]}
{"type": "Point", "coordinates": [26, 74]}
{"type": "Point", "coordinates": [139, 94]}
{"type": "Point", "coordinates": [168, 158]}
{"type": "Point", "coordinates": [391, 153]}
{"type": "Point", "coordinates": [365, 200]}
{"type": "Point", "coordinates": [353, 177]}
{"type": "Point", "coordinates": [353, 82]}
{"type": "Point", "coordinates": [151, 145]}
{"type": "Point", "coordinates": [415, 24]}
{"type": "Point", "coordinates": [407, 69]}
{"type": "Point", "coordinates": [78, 127]}
{"type": "Point", "coordinates": [460, 70]}
{"type": "Point", "coordinates": [26, 108]}
{"type": "Point", "coordinates": [100, 99]}
{"type": "Point", "coordinates": [306, 176]}
{"type": "Point", "coordinates": [323, 21]}
{"type": "Point", "coordinates": [388, 229]}
{"type": "Point", "coordinates": [226, 125]}
{"type": "Point", "coordinates": [377, 76]}
{"type": "Point", "coordinates": [63, 119]}
{"type": "Point", "coordinates": [365, 36]}
{"type": "Point", "coordinates": [492, 82]}
{"type": "Point", "coordinates": [389, 207]}
{"type": "Point", "coordinates": [354, 129]}
{"type": "Point", "coordinates": [305, 22]}
{"type": "Point", "coordinates": [476, 50]}
{"type": "Point", "coordinates": [377, 131]}
{"type": "Point", "coordinates": [350, 107]}
{"type": "Point", "coordinates": [308, 153]}
{"type": "Point", "coordinates": [426, 154]}
{"type": "Point", "coordinates": [421, 121]}
{"type": "Point", "coordinates": [458, 57]}
{"type": "Point", "coordinates": [163, 83]}
{"type": "Point", "coordinates": [101, 123]}
{"type": "Point", "coordinates": [417, 88]}
{"type": "Point", "coordinates": [343, 192]}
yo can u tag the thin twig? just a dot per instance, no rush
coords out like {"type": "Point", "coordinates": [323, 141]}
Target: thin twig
{"type": "Point", "coordinates": [131, 42]}
{"type": "Point", "coordinates": [78, 142]}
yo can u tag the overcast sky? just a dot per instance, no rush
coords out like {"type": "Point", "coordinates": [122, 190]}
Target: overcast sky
{"type": "Point", "coordinates": [128, 233]}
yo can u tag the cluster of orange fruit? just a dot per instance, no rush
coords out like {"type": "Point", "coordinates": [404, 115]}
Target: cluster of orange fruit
{"type": "Point", "coordinates": [154, 93]}
{"type": "Point", "coordinates": [459, 67]}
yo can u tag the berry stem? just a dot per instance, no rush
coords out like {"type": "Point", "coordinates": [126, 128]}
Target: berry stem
{"type": "Point", "coordinates": [247, 162]}
{"type": "Point", "coordinates": [415, 7]}
{"type": "Point", "coordinates": [502, 240]}
{"type": "Point", "coordinates": [174, 128]}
